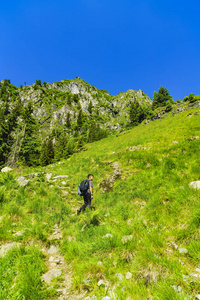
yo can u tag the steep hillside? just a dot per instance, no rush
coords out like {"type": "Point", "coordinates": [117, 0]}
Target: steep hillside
{"type": "Point", "coordinates": [141, 242]}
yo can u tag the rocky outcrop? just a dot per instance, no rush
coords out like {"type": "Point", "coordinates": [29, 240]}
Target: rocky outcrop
{"type": "Point", "coordinates": [107, 184]}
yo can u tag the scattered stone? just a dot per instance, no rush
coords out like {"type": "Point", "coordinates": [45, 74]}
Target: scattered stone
{"type": "Point", "coordinates": [106, 298]}
{"type": "Point", "coordinates": [47, 277]}
{"type": "Point", "coordinates": [109, 162]}
{"type": "Point", "coordinates": [71, 238]}
{"type": "Point", "coordinates": [127, 238]}
{"type": "Point", "coordinates": [192, 138]}
{"type": "Point", "coordinates": [195, 184]}
{"type": "Point", "coordinates": [63, 182]}
{"type": "Point", "coordinates": [60, 177]}
{"type": "Point", "coordinates": [177, 288]}
{"type": "Point", "coordinates": [51, 258]}
{"type": "Point", "coordinates": [107, 184]}
{"type": "Point", "coordinates": [197, 270]}
{"type": "Point", "coordinates": [19, 233]}
{"type": "Point", "coordinates": [108, 235]}
{"type": "Point", "coordinates": [183, 250]}
{"type": "Point", "coordinates": [87, 284]}
{"type": "Point", "coordinates": [52, 250]}
{"type": "Point", "coordinates": [119, 276]}
{"type": "Point", "coordinates": [129, 275]}
{"type": "Point", "coordinates": [48, 176]}
{"type": "Point", "coordinates": [195, 275]}
{"type": "Point", "coordinates": [5, 248]}
{"type": "Point", "coordinates": [101, 283]}
{"type": "Point", "coordinates": [99, 263]}
{"type": "Point", "coordinates": [53, 265]}
{"type": "Point", "coordinates": [22, 181]}
{"type": "Point", "coordinates": [6, 169]}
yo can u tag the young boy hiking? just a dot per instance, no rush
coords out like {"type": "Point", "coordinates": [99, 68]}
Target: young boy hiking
{"type": "Point", "coordinates": [85, 190]}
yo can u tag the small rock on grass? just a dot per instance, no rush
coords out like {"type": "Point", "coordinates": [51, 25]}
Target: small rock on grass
{"type": "Point", "coordinates": [129, 275]}
{"type": "Point", "coordinates": [119, 276]}
{"type": "Point", "coordinates": [183, 250]}
{"type": "Point", "coordinates": [106, 298]}
{"type": "Point", "coordinates": [197, 297]}
{"type": "Point", "coordinates": [52, 250]}
{"type": "Point", "coordinates": [6, 169]}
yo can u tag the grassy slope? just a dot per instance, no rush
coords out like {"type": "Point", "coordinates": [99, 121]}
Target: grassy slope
{"type": "Point", "coordinates": [152, 202]}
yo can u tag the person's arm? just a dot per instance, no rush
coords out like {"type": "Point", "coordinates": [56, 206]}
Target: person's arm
{"type": "Point", "coordinates": [91, 192]}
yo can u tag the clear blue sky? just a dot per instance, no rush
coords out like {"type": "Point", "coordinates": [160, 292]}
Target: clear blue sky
{"type": "Point", "coordinates": [113, 44]}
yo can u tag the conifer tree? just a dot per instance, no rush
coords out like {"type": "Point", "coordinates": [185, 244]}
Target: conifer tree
{"type": "Point", "coordinates": [90, 107]}
{"type": "Point", "coordinates": [80, 119]}
{"type": "Point", "coordinates": [134, 113]}
{"type": "Point", "coordinates": [60, 147]}
{"type": "Point", "coordinates": [30, 148]}
{"type": "Point", "coordinates": [68, 121]}
{"type": "Point", "coordinates": [50, 151]}
{"type": "Point", "coordinates": [162, 98]}
{"type": "Point", "coordinates": [43, 156]}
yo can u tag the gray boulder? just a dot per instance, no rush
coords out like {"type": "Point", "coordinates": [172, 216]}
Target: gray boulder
{"type": "Point", "coordinates": [6, 169]}
{"type": "Point", "coordinates": [195, 184]}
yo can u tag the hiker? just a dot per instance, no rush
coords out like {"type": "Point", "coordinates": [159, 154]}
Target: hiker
{"type": "Point", "coordinates": [87, 194]}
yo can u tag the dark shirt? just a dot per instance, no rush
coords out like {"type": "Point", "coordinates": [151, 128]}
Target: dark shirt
{"type": "Point", "coordinates": [90, 185]}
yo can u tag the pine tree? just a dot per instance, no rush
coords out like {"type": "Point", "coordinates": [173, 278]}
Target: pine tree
{"type": "Point", "coordinates": [80, 119]}
{"type": "Point", "coordinates": [90, 107]}
{"type": "Point", "coordinates": [50, 151]}
{"type": "Point", "coordinates": [68, 121]}
{"type": "Point", "coordinates": [30, 148]}
{"type": "Point", "coordinates": [134, 113]}
{"type": "Point", "coordinates": [43, 155]}
{"type": "Point", "coordinates": [162, 98]}
{"type": "Point", "coordinates": [60, 147]}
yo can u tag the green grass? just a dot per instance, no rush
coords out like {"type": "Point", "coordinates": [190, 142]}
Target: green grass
{"type": "Point", "coordinates": [152, 203]}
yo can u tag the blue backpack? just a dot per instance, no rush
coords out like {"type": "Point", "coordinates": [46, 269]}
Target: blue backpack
{"type": "Point", "coordinates": [83, 187]}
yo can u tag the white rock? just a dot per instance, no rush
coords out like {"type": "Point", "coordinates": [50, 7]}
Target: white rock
{"type": "Point", "coordinates": [197, 297]}
{"type": "Point", "coordinates": [5, 248]}
{"type": "Point", "coordinates": [129, 275]}
{"type": "Point", "coordinates": [63, 182]}
{"type": "Point", "coordinates": [177, 288]}
{"type": "Point", "coordinates": [108, 235]}
{"type": "Point", "coordinates": [52, 250]}
{"type": "Point", "coordinates": [47, 277]}
{"type": "Point", "coordinates": [60, 176]}
{"type": "Point", "coordinates": [48, 176]}
{"type": "Point", "coordinates": [127, 238]}
{"type": "Point", "coordinates": [182, 250]}
{"type": "Point", "coordinates": [19, 233]}
{"type": "Point", "coordinates": [22, 181]}
{"type": "Point", "coordinates": [6, 169]}
{"type": "Point", "coordinates": [197, 270]}
{"type": "Point", "coordinates": [195, 184]}
{"type": "Point", "coordinates": [101, 282]}
{"type": "Point", "coordinates": [106, 298]}
{"type": "Point", "coordinates": [119, 276]}
{"type": "Point", "coordinates": [99, 263]}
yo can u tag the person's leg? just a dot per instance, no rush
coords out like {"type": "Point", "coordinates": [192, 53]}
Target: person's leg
{"type": "Point", "coordinates": [84, 205]}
